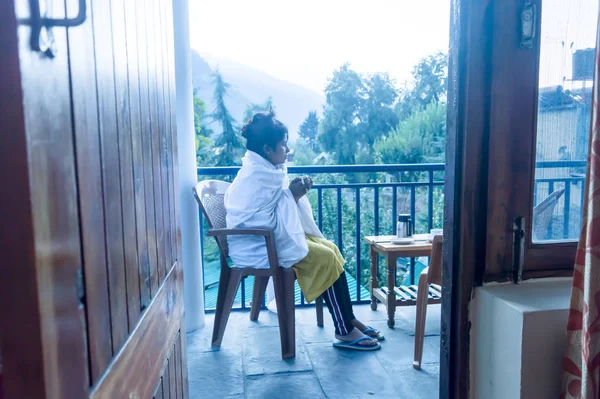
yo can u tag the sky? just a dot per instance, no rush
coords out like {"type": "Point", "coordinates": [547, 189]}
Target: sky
{"type": "Point", "coordinates": [304, 41]}
{"type": "Point", "coordinates": [567, 25]}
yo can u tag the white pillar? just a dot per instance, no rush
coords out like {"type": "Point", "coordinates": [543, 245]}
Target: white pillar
{"type": "Point", "coordinates": [186, 142]}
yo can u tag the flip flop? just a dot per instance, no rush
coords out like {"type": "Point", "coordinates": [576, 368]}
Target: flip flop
{"type": "Point", "coordinates": [354, 345]}
{"type": "Point", "coordinates": [369, 330]}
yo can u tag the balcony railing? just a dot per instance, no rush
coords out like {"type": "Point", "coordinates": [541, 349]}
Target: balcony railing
{"type": "Point", "coordinates": [354, 201]}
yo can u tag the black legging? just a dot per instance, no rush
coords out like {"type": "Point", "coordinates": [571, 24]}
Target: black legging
{"type": "Point", "coordinates": [337, 298]}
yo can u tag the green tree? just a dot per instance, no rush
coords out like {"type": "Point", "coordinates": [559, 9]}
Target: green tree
{"type": "Point", "coordinates": [430, 84]}
{"type": "Point", "coordinates": [309, 130]}
{"type": "Point", "coordinates": [252, 109]}
{"type": "Point", "coordinates": [358, 111]}
{"type": "Point", "coordinates": [228, 145]}
{"type": "Point", "coordinates": [303, 154]}
{"type": "Point", "coordinates": [339, 131]}
{"type": "Point", "coordinates": [204, 142]}
{"type": "Point", "coordinates": [420, 138]}
{"type": "Point", "coordinates": [378, 116]}
{"type": "Point", "coordinates": [200, 116]}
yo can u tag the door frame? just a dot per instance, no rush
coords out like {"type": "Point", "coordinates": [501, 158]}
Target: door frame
{"type": "Point", "coordinates": [465, 208]}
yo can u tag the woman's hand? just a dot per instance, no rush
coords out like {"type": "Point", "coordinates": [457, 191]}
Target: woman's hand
{"type": "Point", "coordinates": [300, 186]}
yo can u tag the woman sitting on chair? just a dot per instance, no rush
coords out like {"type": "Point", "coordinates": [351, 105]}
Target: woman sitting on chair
{"type": "Point", "coordinates": [261, 197]}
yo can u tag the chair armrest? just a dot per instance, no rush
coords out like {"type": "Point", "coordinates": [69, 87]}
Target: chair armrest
{"type": "Point", "coordinates": [239, 232]}
{"type": "Point", "coordinates": [266, 233]}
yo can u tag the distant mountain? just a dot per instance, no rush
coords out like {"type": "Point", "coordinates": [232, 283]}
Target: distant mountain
{"type": "Point", "coordinates": [249, 85]}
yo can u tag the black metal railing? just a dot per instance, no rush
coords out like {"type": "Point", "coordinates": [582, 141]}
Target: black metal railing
{"type": "Point", "coordinates": [365, 186]}
{"type": "Point", "coordinates": [567, 175]}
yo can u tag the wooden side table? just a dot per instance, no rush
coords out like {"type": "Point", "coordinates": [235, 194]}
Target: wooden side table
{"type": "Point", "coordinates": [391, 295]}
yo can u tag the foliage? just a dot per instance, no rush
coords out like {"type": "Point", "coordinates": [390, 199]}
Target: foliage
{"type": "Point", "coordinates": [204, 143]}
{"type": "Point", "coordinates": [309, 130]}
{"type": "Point", "coordinates": [200, 125]}
{"type": "Point", "coordinates": [421, 138]}
{"type": "Point", "coordinates": [252, 109]}
{"type": "Point", "coordinates": [303, 154]}
{"type": "Point", "coordinates": [228, 145]}
{"type": "Point", "coordinates": [358, 110]}
{"type": "Point", "coordinates": [430, 84]}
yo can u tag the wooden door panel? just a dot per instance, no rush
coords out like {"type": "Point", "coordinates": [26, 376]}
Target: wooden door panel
{"type": "Point", "coordinates": [43, 323]}
{"type": "Point", "coordinates": [89, 179]}
{"type": "Point", "coordinates": [170, 60]}
{"type": "Point", "coordinates": [137, 369]}
{"type": "Point", "coordinates": [126, 162]}
{"type": "Point", "coordinates": [148, 10]}
{"type": "Point", "coordinates": [92, 238]}
{"type": "Point", "coordinates": [135, 111]}
{"type": "Point", "coordinates": [109, 141]}
{"type": "Point", "coordinates": [159, 126]}
{"type": "Point", "coordinates": [147, 355]}
{"type": "Point", "coordinates": [170, 384]}
{"type": "Point", "coordinates": [162, 111]}
{"type": "Point", "coordinates": [170, 124]}
{"type": "Point", "coordinates": [139, 21]}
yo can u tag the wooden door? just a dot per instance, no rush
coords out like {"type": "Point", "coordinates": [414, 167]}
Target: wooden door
{"type": "Point", "coordinates": [91, 283]}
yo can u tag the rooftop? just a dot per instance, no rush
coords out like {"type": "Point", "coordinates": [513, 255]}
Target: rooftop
{"type": "Point", "coordinates": [249, 364]}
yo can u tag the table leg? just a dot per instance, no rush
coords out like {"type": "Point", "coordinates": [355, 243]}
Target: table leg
{"type": "Point", "coordinates": [391, 280]}
{"type": "Point", "coordinates": [374, 277]}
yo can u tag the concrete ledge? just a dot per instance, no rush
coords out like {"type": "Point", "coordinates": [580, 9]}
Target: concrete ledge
{"type": "Point", "coordinates": [518, 335]}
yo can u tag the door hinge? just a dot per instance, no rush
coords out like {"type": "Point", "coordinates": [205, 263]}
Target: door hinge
{"type": "Point", "coordinates": [80, 287]}
{"type": "Point", "coordinates": [518, 249]}
{"type": "Point", "coordinates": [528, 24]}
{"type": "Point", "coordinates": [42, 37]}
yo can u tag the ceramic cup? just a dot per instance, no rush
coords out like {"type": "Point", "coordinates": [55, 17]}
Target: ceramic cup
{"type": "Point", "coordinates": [436, 232]}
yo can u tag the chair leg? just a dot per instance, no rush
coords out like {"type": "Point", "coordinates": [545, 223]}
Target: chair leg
{"type": "Point", "coordinates": [260, 286]}
{"type": "Point", "coordinates": [283, 281]}
{"type": "Point", "coordinates": [422, 295]}
{"type": "Point", "coordinates": [228, 285]}
{"type": "Point", "coordinates": [319, 305]}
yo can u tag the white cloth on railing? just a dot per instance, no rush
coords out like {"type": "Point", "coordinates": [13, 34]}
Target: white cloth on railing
{"type": "Point", "coordinates": [259, 197]}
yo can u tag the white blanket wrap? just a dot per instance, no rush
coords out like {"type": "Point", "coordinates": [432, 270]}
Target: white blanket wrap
{"type": "Point", "coordinates": [259, 197]}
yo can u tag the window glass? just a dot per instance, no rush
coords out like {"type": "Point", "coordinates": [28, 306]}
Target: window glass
{"type": "Point", "coordinates": [567, 52]}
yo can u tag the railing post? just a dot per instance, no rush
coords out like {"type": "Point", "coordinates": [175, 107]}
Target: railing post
{"type": "Point", "coordinates": [551, 224]}
{"type": "Point", "coordinates": [394, 208]}
{"type": "Point", "coordinates": [567, 209]}
{"type": "Point", "coordinates": [201, 221]}
{"type": "Point", "coordinates": [339, 220]}
{"type": "Point", "coordinates": [430, 203]}
{"type": "Point", "coordinates": [358, 244]}
{"type": "Point", "coordinates": [320, 208]}
{"type": "Point", "coordinates": [376, 209]}
{"type": "Point", "coordinates": [413, 216]}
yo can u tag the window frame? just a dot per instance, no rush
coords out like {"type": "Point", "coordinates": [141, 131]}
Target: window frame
{"type": "Point", "coordinates": [512, 155]}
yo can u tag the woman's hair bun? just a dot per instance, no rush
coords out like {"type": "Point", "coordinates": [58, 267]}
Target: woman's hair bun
{"type": "Point", "coordinates": [246, 128]}
{"type": "Point", "coordinates": [258, 119]}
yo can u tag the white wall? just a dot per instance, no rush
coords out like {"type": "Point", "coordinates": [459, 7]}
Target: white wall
{"type": "Point", "coordinates": [518, 336]}
{"type": "Point", "coordinates": [186, 145]}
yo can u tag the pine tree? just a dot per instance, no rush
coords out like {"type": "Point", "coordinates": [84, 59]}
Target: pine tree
{"type": "Point", "coordinates": [252, 109]}
{"type": "Point", "coordinates": [309, 130]}
{"type": "Point", "coordinates": [227, 144]}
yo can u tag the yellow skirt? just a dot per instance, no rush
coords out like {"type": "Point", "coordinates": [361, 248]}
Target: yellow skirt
{"type": "Point", "coordinates": [320, 268]}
